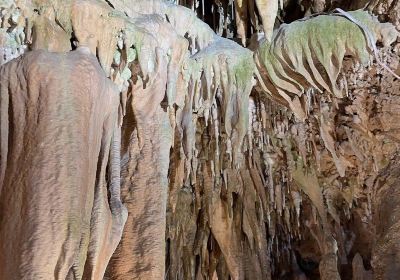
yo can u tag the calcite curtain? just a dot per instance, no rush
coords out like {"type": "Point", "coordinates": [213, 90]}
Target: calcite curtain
{"type": "Point", "coordinates": [241, 139]}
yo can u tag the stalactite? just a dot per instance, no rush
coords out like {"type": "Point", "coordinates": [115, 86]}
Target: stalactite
{"type": "Point", "coordinates": [291, 67]}
{"type": "Point", "coordinates": [234, 163]}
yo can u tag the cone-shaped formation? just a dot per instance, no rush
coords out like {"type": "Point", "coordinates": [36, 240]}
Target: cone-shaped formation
{"type": "Point", "coordinates": [232, 163]}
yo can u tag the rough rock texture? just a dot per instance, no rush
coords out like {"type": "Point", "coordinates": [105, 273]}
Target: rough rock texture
{"type": "Point", "coordinates": [276, 161]}
{"type": "Point", "coordinates": [58, 115]}
{"type": "Point", "coordinates": [386, 250]}
{"type": "Point", "coordinates": [298, 60]}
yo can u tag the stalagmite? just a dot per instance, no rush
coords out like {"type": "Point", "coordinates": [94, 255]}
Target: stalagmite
{"type": "Point", "coordinates": [359, 272]}
{"type": "Point", "coordinates": [328, 265]}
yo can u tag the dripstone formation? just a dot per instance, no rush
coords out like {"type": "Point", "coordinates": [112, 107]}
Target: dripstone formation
{"type": "Point", "coordinates": [211, 139]}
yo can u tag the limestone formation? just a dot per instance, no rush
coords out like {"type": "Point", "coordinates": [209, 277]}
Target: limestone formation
{"type": "Point", "coordinates": [241, 139]}
{"type": "Point", "coordinates": [59, 115]}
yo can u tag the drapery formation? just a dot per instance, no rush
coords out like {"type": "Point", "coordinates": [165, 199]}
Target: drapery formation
{"type": "Point", "coordinates": [58, 118]}
{"type": "Point", "coordinates": [238, 163]}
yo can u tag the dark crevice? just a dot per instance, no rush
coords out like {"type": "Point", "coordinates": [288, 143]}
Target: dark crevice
{"type": "Point", "coordinates": [109, 4]}
{"type": "Point", "coordinates": [73, 41]}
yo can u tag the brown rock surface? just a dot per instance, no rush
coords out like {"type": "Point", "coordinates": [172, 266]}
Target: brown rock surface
{"type": "Point", "coordinates": [274, 162]}
{"type": "Point", "coordinates": [58, 113]}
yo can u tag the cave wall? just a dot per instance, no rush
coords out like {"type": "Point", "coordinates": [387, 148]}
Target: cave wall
{"type": "Point", "coordinates": [273, 161]}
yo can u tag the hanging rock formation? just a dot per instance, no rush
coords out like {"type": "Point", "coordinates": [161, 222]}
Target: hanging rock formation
{"type": "Point", "coordinates": [142, 142]}
{"type": "Point", "coordinates": [58, 118]}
